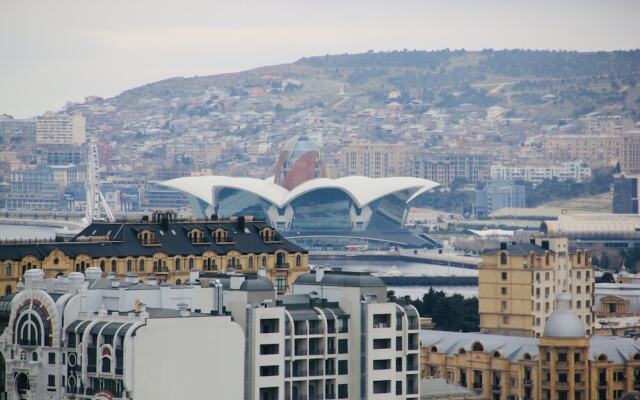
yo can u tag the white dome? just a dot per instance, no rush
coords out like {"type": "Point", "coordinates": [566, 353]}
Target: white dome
{"type": "Point", "coordinates": [564, 322]}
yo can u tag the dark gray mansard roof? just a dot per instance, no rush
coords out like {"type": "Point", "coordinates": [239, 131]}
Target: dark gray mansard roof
{"type": "Point", "coordinates": [341, 278]}
{"type": "Point", "coordinates": [123, 241]}
{"type": "Point", "coordinates": [520, 249]}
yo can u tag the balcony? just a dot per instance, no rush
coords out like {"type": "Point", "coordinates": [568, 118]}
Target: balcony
{"type": "Point", "coordinates": [297, 372]}
{"type": "Point", "coordinates": [282, 266]}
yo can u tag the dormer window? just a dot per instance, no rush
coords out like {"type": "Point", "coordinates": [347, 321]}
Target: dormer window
{"type": "Point", "coordinates": [147, 236]}
{"type": "Point", "coordinates": [221, 236]}
{"type": "Point", "coordinates": [196, 235]}
{"type": "Point", "coordinates": [268, 235]}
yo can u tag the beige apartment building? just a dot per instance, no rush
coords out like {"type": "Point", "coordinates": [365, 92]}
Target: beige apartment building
{"type": "Point", "coordinates": [518, 284]}
{"type": "Point", "coordinates": [61, 128]}
{"type": "Point", "coordinates": [375, 160]}
{"type": "Point", "coordinates": [597, 150]}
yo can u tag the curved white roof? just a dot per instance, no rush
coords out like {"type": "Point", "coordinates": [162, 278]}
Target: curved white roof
{"type": "Point", "coordinates": [361, 189]}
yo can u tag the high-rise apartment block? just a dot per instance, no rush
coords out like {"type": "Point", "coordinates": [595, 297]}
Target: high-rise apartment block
{"type": "Point", "coordinates": [570, 170]}
{"type": "Point", "coordinates": [337, 336]}
{"type": "Point", "coordinates": [597, 150]}
{"type": "Point", "coordinates": [444, 168]}
{"type": "Point", "coordinates": [518, 284]}
{"type": "Point", "coordinates": [375, 160]}
{"type": "Point", "coordinates": [61, 128]}
{"type": "Point", "coordinates": [499, 194]}
{"type": "Point", "coordinates": [625, 194]}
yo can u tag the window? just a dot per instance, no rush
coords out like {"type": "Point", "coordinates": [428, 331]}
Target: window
{"type": "Point", "coordinates": [34, 356]}
{"type": "Point", "coordinates": [504, 276]}
{"type": "Point", "coordinates": [579, 289]}
{"type": "Point", "coordinates": [505, 319]}
{"type": "Point", "coordinates": [177, 264]}
{"type": "Point", "coordinates": [298, 261]}
{"type": "Point", "coordinates": [250, 262]}
{"type": "Point", "coordinates": [141, 265]}
{"type": "Point", "coordinates": [343, 391]}
{"type": "Point", "coordinates": [269, 370]}
{"type": "Point", "coordinates": [343, 367]}
{"type": "Point", "coordinates": [562, 357]}
{"type": "Point", "coordinates": [399, 364]}
{"type": "Point", "coordinates": [7, 270]}
{"type": "Point", "coordinates": [52, 358]}
{"type": "Point", "coordinates": [503, 305]}
{"type": "Point", "coordinates": [503, 290]}
{"type": "Point", "coordinates": [381, 364]}
{"type": "Point", "coordinates": [113, 266]}
{"type": "Point", "coordinates": [578, 304]}
{"type": "Point", "coordinates": [381, 344]}
{"type": "Point", "coordinates": [618, 376]}
{"type": "Point", "coordinates": [102, 265]}
{"type": "Point", "coordinates": [281, 282]}
{"type": "Point", "coordinates": [343, 346]}
{"type": "Point", "coordinates": [576, 357]}
{"type": "Point", "coordinates": [51, 380]}
{"type": "Point", "coordinates": [587, 303]}
{"type": "Point", "coordinates": [381, 320]}
{"type": "Point", "coordinates": [381, 387]}
{"type": "Point", "coordinates": [546, 276]}
{"type": "Point", "coordinates": [129, 266]}
{"type": "Point", "coordinates": [269, 325]}
{"type": "Point", "coordinates": [269, 349]}
{"type": "Point", "coordinates": [191, 263]}
{"type": "Point", "coordinates": [398, 387]}
{"type": "Point", "coordinates": [263, 263]}
{"type": "Point", "coordinates": [503, 258]}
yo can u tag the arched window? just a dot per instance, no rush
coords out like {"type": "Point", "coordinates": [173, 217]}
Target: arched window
{"type": "Point", "coordinates": [298, 261]}
{"type": "Point", "coordinates": [8, 270]}
{"type": "Point", "coordinates": [602, 357]}
{"type": "Point", "coordinates": [496, 354]}
{"type": "Point", "coordinates": [102, 265]}
{"type": "Point", "coordinates": [477, 346]}
{"type": "Point", "coordinates": [527, 356]}
{"type": "Point", "coordinates": [178, 282]}
{"type": "Point", "coordinates": [113, 266]}
{"type": "Point", "coordinates": [177, 264]}
{"type": "Point", "coordinates": [141, 265]}
{"type": "Point", "coordinates": [579, 256]}
{"type": "Point", "coordinates": [250, 262]}
{"type": "Point", "coordinates": [434, 349]}
{"type": "Point", "coordinates": [191, 263]}
{"type": "Point", "coordinates": [546, 258]}
{"type": "Point", "coordinates": [105, 360]}
{"type": "Point", "coordinates": [34, 356]}
{"type": "Point", "coordinates": [129, 266]}
{"type": "Point", "coordinates": [264, 262]}
{"type": "Point", "coordinates": [503, 258]}
{"type": "Point", "coordinates": [462, 351]}
{"type": "Point", "coordinates": [532, 259]}
{"type": "Point", "coordinates": [7, 290]}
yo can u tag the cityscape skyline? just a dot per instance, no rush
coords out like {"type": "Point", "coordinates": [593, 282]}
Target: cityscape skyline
{"type": "Point", "coordinates": [58, 57]}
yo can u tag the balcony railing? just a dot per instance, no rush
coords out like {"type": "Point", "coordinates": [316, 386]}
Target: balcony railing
{"type": "Point", "coordinates": [282, 265]}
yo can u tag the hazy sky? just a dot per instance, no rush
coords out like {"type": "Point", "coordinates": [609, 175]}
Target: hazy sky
{"type": "Point", "coordinates": [55, 51]}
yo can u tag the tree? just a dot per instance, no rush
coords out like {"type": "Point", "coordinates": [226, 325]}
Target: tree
{"type": "Point", "coordinates": [449, 313]}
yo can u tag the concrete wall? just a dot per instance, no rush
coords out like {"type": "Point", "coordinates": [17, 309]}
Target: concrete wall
{"type": "Point", "coordinates": [189, 362]}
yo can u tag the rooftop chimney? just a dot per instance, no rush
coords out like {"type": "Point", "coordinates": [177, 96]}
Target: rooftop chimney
{"type": "Point", "coordinates": [93, 273]}
{"type": "Point", "coordinates": [131, 277]}
{"type": "Point", "coordinates": [194, 276]}
{"type": "Point", "coordinates": [214, 217]}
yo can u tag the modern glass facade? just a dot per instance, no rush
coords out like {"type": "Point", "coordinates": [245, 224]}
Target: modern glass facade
{"type": "Point", "coordinates": [325, 209]}
{"type": "Point", "coordinates": [234, 202]}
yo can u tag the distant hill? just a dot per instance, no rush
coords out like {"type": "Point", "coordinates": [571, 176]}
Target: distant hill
{"type": "Point", "coordinates": [542, 85]}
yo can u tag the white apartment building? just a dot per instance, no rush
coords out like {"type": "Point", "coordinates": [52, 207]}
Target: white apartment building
{"type": "Point", "coordinates": [570, 170]}
{"type": "Point", "coordinates": [61, 128]}
{"type": "Point", "coordinates": [337, 336]}
{"type": "Point", "coordinates": [87, 337]}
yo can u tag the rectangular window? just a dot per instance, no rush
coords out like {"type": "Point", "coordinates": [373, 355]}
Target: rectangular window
{"type": "Point", "coordinates": [52, 358]}
{"type": "Point", "coordinates": [503, 290]}
{"type": "Point", "coordinates": [51, 381]}
{"type": "Point", "coordinates": [343, 391]}
{"type": "Point", "coordinates": [381, 344]}
{"type": "Point", "coordinates": [381, 364]}
{"type": "Point", "coordinates": [576, 357]}
{"type": "Point", "coordinates": [269, 349]}
{"type": "Point", "coordinates": [504, 276]}
{"type": "Point", "coordinates": [562, 357]}
{"type": "Point", "coordinates": [343, 367]}
{"type": "Point", "coordinates": [269, 325]}
{"type": "Point", "coordinates": [398, 387]}
{"type": "Point", "coordinates": [381, 387]}
{"type": "Point", "coordinates": [503, 305]}
{"type": "Point", "coordinates": [269, 370]}
{"type": "Point", "coordinates": [578, 304]}
{"type": "Point", "coordinates": [381, 320]}
{"type": "Point", "coordinates": [343, 346]}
